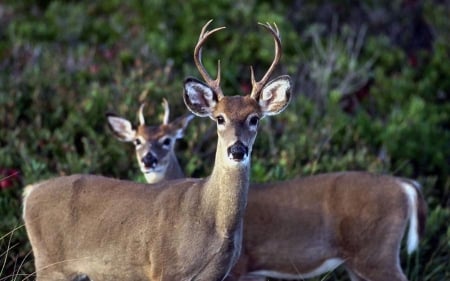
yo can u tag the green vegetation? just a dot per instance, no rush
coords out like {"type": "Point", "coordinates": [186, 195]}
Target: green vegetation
{"type": "Point", "coordinates": [372, 92]}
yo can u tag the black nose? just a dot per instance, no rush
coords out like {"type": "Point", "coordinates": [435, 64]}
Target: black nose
{"type": "Point", "coordinates": [149, 160]}
{"type": "Point", "coordinates": [237, 151]}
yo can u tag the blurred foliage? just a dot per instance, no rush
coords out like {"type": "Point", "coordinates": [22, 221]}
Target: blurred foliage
{"type": "Point", "coordinates": [372, 86]}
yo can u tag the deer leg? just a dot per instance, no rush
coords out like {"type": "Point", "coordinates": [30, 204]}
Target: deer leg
{"type": "Point", "coordinates": [373, 261]}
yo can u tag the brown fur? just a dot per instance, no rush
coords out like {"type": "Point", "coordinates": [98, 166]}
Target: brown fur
{"type": "Point", "coordinates": [112, 230]}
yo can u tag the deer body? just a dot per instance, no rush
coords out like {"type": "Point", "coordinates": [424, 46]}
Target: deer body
{"type": "Point", "coordinates": [97, 232]}
{"type": "Point", "coordinates": [85, 227]}
{"type": "Point", "coordinates": [304, 227]}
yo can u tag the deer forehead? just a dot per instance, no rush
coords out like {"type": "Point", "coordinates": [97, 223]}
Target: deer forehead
{"type": "Point", "coordinates": [237, 108]}
{"type": "Point", "coordinates": [152, 133]}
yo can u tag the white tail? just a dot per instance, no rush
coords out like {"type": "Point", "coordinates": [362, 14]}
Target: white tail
{"type": "Point", "coordinates": [417, 215]}
{"type": "Point", "coordinates": [154, 144]}
{"type": "Point", "coordinates": [85, 227]}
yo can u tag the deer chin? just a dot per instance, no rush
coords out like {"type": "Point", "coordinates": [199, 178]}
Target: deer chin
{"type": "Point", "coordinates": [153, 170]}
{"type": "Point", "coordinates": [232, 161]}
{"type": "Point", "coordinates": [154, 177]}
{"type": "Point", "coordinates": [155, 173]}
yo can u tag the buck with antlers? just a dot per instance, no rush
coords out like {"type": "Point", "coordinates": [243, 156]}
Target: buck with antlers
{"type": "Point", "coordinates": [85, 227]}
{"type": "Point", "coordinates": [154, 144]}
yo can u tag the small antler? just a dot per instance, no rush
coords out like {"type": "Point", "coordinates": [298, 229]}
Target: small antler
{"type": "Point", "coordinates": [214, 84]}
{"type": "Point", "coordinates": [141, 114]}
{"type": "Point", "coordinates": [166, 112]}
{"type": "Point", "coordinates": [257, 86]}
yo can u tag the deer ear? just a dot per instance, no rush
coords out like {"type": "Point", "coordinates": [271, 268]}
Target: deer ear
{"type": "Point", "coordinates": [275, 95]}
{"type": "Point", "coordinates": [199, 98]}
{"type": "Point", "coordinates": [121, 127]}
{"type": "Point", "coordinates": [180, 124]}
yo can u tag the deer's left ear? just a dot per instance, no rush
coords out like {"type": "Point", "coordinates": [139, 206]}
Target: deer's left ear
{"type": "Point", "coordinates": [275, 95]}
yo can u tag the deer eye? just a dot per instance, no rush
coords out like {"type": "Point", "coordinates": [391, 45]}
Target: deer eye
{"type": "Point", "coordinates": [220, 120]}
{"type": "Point", "coordinates": [166, 141]}
{"type": "Point", "coordinates": [254, 120]}
{"type": "Point", "coordinates": [137, 142]}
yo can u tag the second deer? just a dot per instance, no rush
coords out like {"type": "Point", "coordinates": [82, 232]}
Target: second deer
{"type": "Point", "coordinates": [154, 144]}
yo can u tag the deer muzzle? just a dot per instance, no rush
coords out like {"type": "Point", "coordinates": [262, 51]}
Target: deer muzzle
{"type": "Point", "coordinates": [238, 151]}
{"type": "Point", "coordinates": [149, 160]}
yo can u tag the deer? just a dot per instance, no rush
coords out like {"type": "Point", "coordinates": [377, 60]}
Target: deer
{"type": "Point", "coordinates": [90, 227]}
{"type": "Point", "coordinates": [154, 145]}
{"type": "Point", "coordinates": [307, 226]}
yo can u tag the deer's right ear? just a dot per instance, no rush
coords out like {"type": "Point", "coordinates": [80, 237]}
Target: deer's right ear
{"type": "Point", "coordinates": [180, 124]}
{"type": "Point", "coordinates": [121, 127]}
{"type": "Point", "coordinates": [199, 98]}
{"type": "Point", "coordinates": [276, 95]}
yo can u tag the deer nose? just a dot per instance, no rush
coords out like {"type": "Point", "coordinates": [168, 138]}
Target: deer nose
{"type": "Point", "coordinates": [238, 151]}
{"type": "Point", "coordinates": [149, 160]}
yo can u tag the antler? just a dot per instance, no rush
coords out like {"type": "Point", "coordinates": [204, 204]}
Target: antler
{"type": "Point", "coordinates": [141, 114]}
{"type": "Point", "coordinates": [214, 84]}
{"type": "Point", "coordinates": [257, 86]}
{"type": "Point", "coordinates": [166, 112]}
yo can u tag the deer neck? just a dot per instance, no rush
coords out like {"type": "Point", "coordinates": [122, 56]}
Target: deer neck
{"type": "Point", "coordinates": [226, 190]}
{"type": "Point", "coordinates": [174, 170]}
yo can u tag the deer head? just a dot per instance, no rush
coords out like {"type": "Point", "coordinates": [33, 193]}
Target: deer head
{"type": "Point", "coordinates": [236, 128]}
{"type": "Point", "coordinates": [154, 144]}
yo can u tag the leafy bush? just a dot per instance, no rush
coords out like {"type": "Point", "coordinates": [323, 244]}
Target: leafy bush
{"type": "Point", "coordinates": [64, 64]}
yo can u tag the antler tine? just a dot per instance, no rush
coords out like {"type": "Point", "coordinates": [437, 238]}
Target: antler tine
{"type": "Point", "coordinates": [257, 86]}
{"type": "Point", "coordinates": [166, 112]}
{"type": "Point", "coordinates": [141, 114]}
{"type": "Point", "coordinates": [214, 84]}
